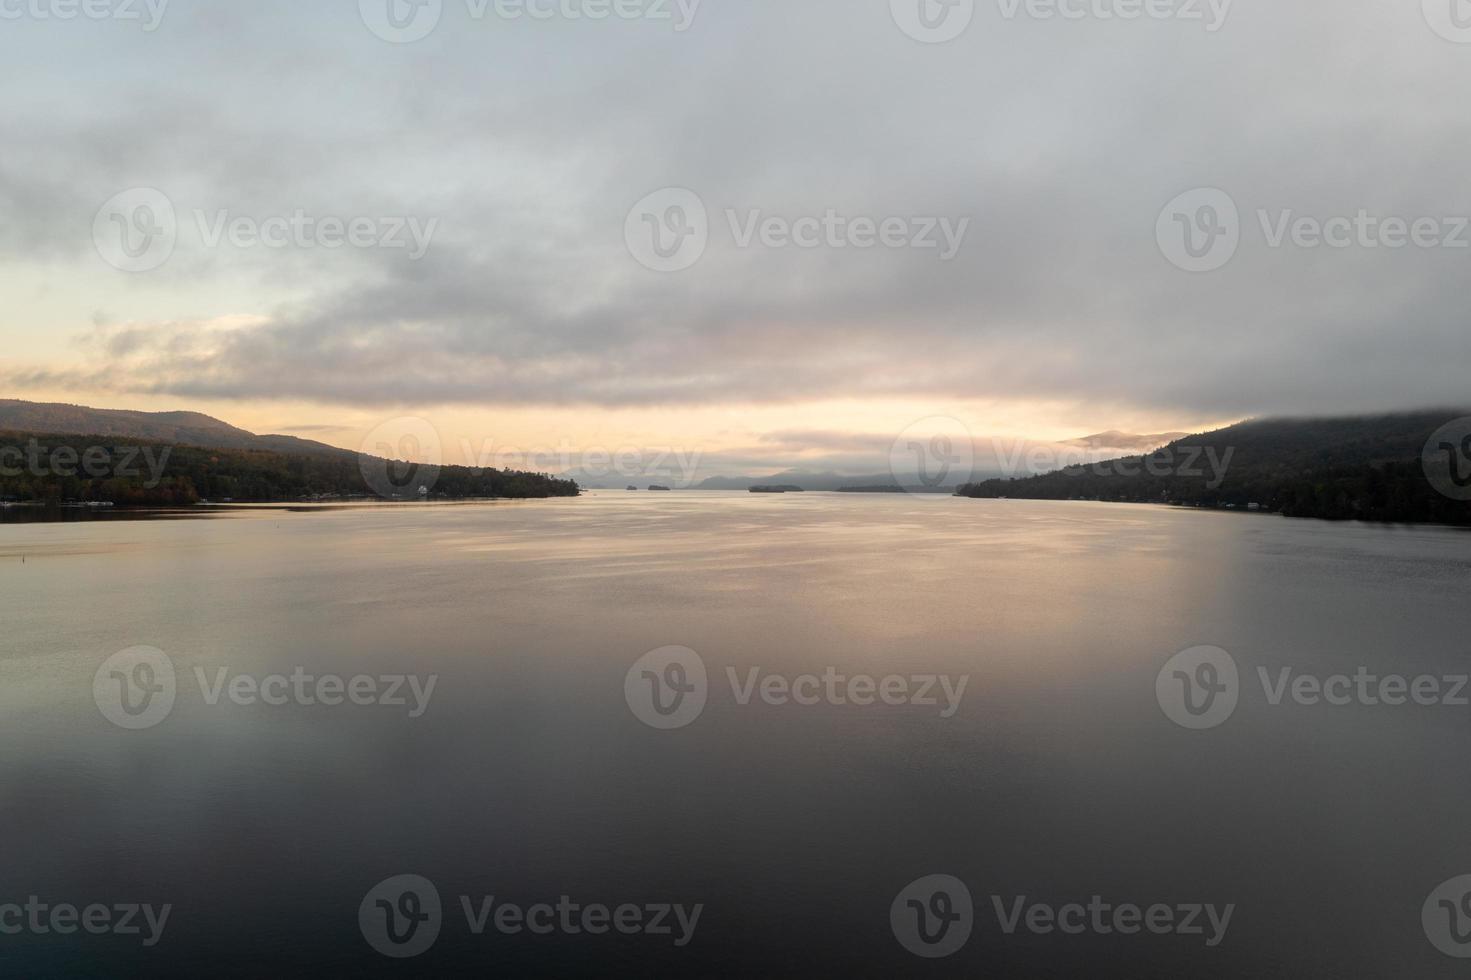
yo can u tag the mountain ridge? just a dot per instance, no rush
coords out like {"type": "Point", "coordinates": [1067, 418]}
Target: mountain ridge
{"type": "Point", "coordinates": [175, 427]}
{"type": "Point", "coordinates": [1365, 467]}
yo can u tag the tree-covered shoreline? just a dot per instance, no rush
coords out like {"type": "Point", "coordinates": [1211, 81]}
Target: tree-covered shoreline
{"type": "Point", "coordinates": [46, 468]}
{"type": "Point", "coordinates": [1364, 469]}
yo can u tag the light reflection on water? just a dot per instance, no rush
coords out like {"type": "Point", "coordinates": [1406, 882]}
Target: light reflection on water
{"type": "Point", "coordinates": [530, 778]}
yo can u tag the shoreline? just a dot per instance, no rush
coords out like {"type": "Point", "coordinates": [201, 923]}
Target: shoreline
{"type": "Point", "coordinates": [11, 514]}
{"type": "Point", "coordinates": [44, 513]}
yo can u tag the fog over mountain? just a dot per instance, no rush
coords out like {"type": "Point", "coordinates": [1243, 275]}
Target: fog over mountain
{"type": "Point", "coordinates": [1114, 439]}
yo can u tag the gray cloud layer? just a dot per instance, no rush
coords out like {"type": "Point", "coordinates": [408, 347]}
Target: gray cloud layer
{"type": "Point", "coordinates": [1061, 141]}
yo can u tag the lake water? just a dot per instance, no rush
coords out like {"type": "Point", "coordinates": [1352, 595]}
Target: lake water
{"type": "Point", "coordinates": [532, 772]}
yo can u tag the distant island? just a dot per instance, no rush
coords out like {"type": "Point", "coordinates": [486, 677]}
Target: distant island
{"type": "Point", "coordinates": [822, 482]}
{"type": "Point", "coordinates": [138, 459]}
{"type": "Point", "coordinates": [655, 487]}
{"type": "Point", "coordinates": [1364, 468]}
{"type": "Point", "coordinates": [785, 488]}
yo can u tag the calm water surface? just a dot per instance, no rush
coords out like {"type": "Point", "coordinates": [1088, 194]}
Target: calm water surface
{"type": "Point", "coordinates": [528, 777]}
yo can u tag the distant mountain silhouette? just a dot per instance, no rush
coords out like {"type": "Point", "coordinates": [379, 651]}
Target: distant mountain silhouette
{"type": "Point", "coordinates": [798, 478]}
{"type": "Point", "coordinates": [172, 428]}
{"type": "Point", "coordinates": [986, 466]}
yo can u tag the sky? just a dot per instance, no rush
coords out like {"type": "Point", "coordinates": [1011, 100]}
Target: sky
{"type": "Point", "coordinates": [766, 235]}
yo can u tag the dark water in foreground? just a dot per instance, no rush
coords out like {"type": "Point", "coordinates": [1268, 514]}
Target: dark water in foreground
{"type": "Point", "coordinates": [529, 776]}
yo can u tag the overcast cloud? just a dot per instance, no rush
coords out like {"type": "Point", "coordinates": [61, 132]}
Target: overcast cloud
{"type": "Point", "coordinates": [529, 141]}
